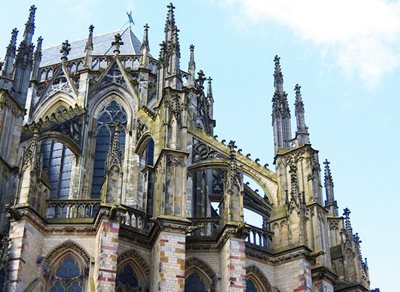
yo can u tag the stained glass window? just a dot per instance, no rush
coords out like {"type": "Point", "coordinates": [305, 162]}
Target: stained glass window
{"type": "Point", "coordinates": [127, 279]}
{"type": "Point", "coordinates": [250, 286]}
{"type": "Point", "coordinates": [57, 161]}
{"type": "Point", "coordinates": [194, 283]}
{"type": "Point", "coordinates": [106, 123]}
{"type": "Point", "coordinates": [67, 277]}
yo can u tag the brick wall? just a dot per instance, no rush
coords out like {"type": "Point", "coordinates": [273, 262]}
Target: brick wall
{"type": "Point", "coordinates": [233, 260]}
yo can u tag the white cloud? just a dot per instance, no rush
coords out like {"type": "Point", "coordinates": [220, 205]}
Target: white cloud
{"type": "Point", "coordinates": [362, 35]}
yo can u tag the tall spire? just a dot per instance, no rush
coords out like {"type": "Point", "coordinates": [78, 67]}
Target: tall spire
{"type": "Point", "coordinates": [191, 68]}
{"type": "Point", "coordinates": [280, 111]}
{"type": "Point", "coordinates": [89, 48]}
{"type": "Point", "coordinates": [330, 196]}
{"type": "Point", "coordinates": [145, 49]}
{"type": "Point", "coordinates": [171, 50]}
{"type": "Point", "coordinates": [302, 130]}
{"type": "Point", "coordinates": [10, 54]}
{"type": "Point", "coordinates": [23, 60]}
{"type": "Point", "coordinates": [37, 57]}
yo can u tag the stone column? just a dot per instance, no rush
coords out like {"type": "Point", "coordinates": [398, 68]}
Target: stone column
{"type": "Point", "coordinates": [233, 259]}
{"type": "Point", "coordinates": [105, 270]}
{"type": "Point", "coordinates": [168, 254]}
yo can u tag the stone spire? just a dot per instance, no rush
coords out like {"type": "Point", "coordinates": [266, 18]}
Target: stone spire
{"type": "Point", "coordinates": [145, 48]}
{"type": "Point", "coordinates": [210, 99]}
{"type": "Point", "coordinates": [171, 48]}
{"type": "Point", "coordinates": [302, 129]}
{"type": "Point", "coordinates": [278, 76]}
{"type": "Point", "coordinates": [30, 25]}
{"type": "Point", "coordinates": [65, 49]}
{"type": "Point", "coordinates": [23, 60]}
{"type": "Point", "coordinates": [10, 55]}
{"type": "Point", "coordinates": [117, 43]}
{"type": "Point", "coordinates": [191, 68]}
{"type": "Point", "coordinates": [280, 111]}
{"type": "Point", "coordinates": [89, 48]}
{"type": "Point", "coordinates": [347, 223]}
{"type": "Point", "coordinates": [330, 196]}
{"type": "Point", "coordinates": [37, 58]}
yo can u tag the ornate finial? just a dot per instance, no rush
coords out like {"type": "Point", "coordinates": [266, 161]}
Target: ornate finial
{"type": "Point", "coordinates": [328, 174]}
{"type": "Point", "coordinates": [297, 91]}
{"type": "Point", "coordinates": [201, 78]}
{"type": "Point", "coordinates": [347, 223]}
{"type": "Point", "coordinates": [30, 24]}
{"type": "Point", "coordinates": [232, 146]}
{"type": "Point", "coordinates": [117, 43]}
{"type": "Point", "coordinates": [191, 48]}
{"type": "Point", "coordinates": [145, 43]}
{"type": "Point", "coordinates": [65, 48]}
{"type": "Point", "coordinates": [38, 51]}
{"type": "Point", "coordinates": [11, 48]}
{"type": "Point", "coordinates": [209, 89]}
{"type": "Point", "coordinates": [278, 76]}
{"type": "Point", "coordinates": [89, 42]}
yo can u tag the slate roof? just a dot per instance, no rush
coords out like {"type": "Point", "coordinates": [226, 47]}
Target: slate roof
{"type": "Point", "coordinates": [101, 46]}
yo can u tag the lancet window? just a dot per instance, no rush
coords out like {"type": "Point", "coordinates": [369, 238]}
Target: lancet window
{"type": "Point", "coordinates": [195, 283]}
{"type": "Point", "coordinates": [57, 164]}
{"type": "Point", "coordinates": [127, 279]}
{"type": "Point", "coordinates": [111, 116]}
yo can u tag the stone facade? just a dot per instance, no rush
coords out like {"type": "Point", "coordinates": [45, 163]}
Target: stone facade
{"type": "Point", "coordinates": [111, 179]}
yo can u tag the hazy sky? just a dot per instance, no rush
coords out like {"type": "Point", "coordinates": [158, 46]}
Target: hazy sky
{"type": "Point", "coordinates": [344, 53]}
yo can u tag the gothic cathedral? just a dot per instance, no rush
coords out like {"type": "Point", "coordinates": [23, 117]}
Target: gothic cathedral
{"type": "Point", "coordinates": [111, 179]}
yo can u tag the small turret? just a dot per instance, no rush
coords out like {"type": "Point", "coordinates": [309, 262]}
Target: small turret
{"type": "Point", "coordinates": [89, 48]}
{"type": "Point", "coordinates": [330, 196]}
{"type": "Point", "coordinates": [10, 55]}
{"type": "Point", "coordinates": [145, 49]}
{"type": "Point", "coordinates": [37, 58]}
{"type": "Point", "coordinates": [302, 130]}
{"type": "Point", "coordinates": [191, 68]}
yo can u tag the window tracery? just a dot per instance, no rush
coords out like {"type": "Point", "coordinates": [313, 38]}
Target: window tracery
{"type": "Point", "coordinates": [111, 116]}
{"type": "Point", "coordinates": [195, 283]}
{"type": "Point", "coordinates": [67, 277]}
{"type": "Point", "coordinates": [127, 279]}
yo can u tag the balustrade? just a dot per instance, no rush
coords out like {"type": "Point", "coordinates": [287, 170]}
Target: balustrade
{"type": "Point", "coordinates": [69, 209]}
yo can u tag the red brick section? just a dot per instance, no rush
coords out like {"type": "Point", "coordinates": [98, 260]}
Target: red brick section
{"type": "Point", "coordinates": [234, 260]}
{"type": "Point", "coordinates": [106, 263]}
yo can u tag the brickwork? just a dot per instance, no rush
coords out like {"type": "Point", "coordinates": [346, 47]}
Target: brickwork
{"type": "Point", "coordinates": [233, 260]}
{"type": "Point", "coordinates": [26, 247]}
{"type": "Point", "coordinates": [322, 286]}
{"type": "Point", "coordinates": [265, 268]}
{"type": "Point", "coordinates": [168, 262]}
{"type": "Point", "coordinates": [106, 256]}
{"type": "Point", "coordinates": [293, 276]}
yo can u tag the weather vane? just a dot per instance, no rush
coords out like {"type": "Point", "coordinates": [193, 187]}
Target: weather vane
{"type": "Point", "coordinates": [130, 19]}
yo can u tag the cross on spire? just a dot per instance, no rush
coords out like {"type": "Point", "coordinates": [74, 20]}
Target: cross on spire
{"type": "Point", "coordinates": [117, 43]}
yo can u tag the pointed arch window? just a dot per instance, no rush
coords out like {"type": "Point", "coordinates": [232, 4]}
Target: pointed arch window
{"type": "Point", "coordinates": [250, 286]}
{"type": "Point", "coordinates": [195, 283]}
{"type": "Point", "coordinates": [67, 276]}
{"type": "Point", "coordinates": [111, 115]}
{"type": "Point", "coordinates": [146, 178]}
{"type": "Point", "coordinates": [127, 279]}
{"type": "Point", "coordinates": [57, 163]}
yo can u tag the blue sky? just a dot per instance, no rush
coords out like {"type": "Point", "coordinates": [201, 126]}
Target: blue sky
{"type": "Point", "coordinates": [344, 53]}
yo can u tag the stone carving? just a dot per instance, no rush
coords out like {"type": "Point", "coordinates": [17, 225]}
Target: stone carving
{"type": "Point", "coordinates": [203, 152]}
